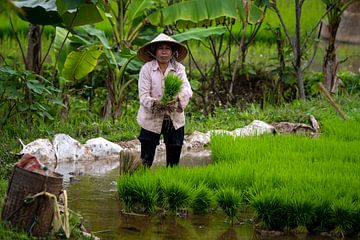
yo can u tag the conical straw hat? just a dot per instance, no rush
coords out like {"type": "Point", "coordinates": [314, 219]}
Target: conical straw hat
{"type": "Point", "coordinates": [144, 53]}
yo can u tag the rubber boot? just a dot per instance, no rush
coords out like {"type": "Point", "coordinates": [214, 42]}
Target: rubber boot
{"type": "Point", "coordinates": [147, 153]}
{"type": "Point", "coordinates": [173, 155]}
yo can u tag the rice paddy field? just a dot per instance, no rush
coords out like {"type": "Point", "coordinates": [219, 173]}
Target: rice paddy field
{"type": "Point", "coordinates": [287, 182]}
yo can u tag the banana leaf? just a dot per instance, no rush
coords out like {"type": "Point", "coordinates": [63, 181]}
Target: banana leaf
{"type": "Point", "coordinates": [199, 33]}
{"type": "Point", "coordinates": [197, 11]}
{"type": "Point", "coordinates": [80, 63]}
{"type": "Point", "coordinates": [56, 12]}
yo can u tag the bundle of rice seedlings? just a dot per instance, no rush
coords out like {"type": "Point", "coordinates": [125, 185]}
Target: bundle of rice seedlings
{"type": "Point", "coordinates": [138, 194]}
{"type": "Point", "coordinates": [129, 162]}
{"type": "Point", "coordinates": [321, 220]}
{"type": "Point", "coordinates": [202, 200]}
{"type": "Point", "coordinates": [344, 214]}
{"type": "Point", "coordinates": [172, 86]}
{"type": "Point", "coordinates": [229, 200]}
{"type": "Point", "coordinates": [271, 210]}
{"type": "Point", "coordinates": [176, 196]}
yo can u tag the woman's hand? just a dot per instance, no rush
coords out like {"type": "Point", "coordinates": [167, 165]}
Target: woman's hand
{"type": "Point", "coordinates": [174, 105]}
{"type": "Point", "coordinates": [171, 106]}
{"type": "Point", "coordinates": [158, 107]}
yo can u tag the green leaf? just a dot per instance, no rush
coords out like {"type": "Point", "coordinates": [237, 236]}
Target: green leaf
{"type": "Point", "coordinates": [137, 8]}
{"type": "Point", "coordinates": [42, 12]}
{"type": "Point", "coordinates": [54, 12]}
{"type": "Point", "coordinates": [196, 11]}
{"type": "Point", "coordinates": [199, 33]}
{"type": "Point", "coordinates": [64, 5]}
{"type": "Point", "coordinates": [35, 86]}
{"type": "Point", "coordinates": [255, 14]}
{"type": "Point", "coordinates": [86, 14]}
{"type": "Point", "coordinates": [67, 48]}
{"type": "Point", "coordinates": [80, 63]}
{"type": "Point", "coordinates": [97, 33]}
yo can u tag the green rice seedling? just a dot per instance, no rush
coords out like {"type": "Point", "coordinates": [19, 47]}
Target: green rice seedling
{"type": "Point", "coordinates": [172, 86]}
{"type": "Point", "coordinates": [176, 195]}
{"type": "Point", "coordinates": [202, 200]}
{"type": "Point", "coordinates": [357, 220]}
{"type": "Point", "coordinates": [138, 193]}
{"type": "Point", "coordinates": [270, 209]}
{"type": "Point", "coordinates": [229, 200]}
{"type": "Point", "coordinates": [344, 214]}
{"type": "Point", "coordinates": [345, 130]}
{"type": "Point", "coordinates": [321, 219]}
{"type": "Point", "coordinates": [299, 211]}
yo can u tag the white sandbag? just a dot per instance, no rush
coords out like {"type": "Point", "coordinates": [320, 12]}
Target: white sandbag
{"type": "Point", "coordinates": [42, 149]}
{"type": "Point", "coordinates": [68, 149]}
{"type": "Point", "coordinates": [100, 148]}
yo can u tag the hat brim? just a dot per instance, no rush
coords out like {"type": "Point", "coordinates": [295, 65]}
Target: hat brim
{"type": "Point", "coordinates": [144, 53]}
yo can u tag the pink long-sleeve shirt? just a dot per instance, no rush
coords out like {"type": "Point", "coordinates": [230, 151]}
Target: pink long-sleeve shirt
{"type": "Point", "coordinates": [151, 88]}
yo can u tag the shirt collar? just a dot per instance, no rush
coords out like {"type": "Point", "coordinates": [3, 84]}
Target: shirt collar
{"type": "Point", "coordinates": [155, 66]}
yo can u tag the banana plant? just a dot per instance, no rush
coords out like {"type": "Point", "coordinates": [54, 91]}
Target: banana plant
{"type": "Point", "coordinates": [89, 50]}
{"type": "Point", "coordinates": [187, 14]}
{"type": "Point", "coordinates": [63, 13]}
{"type": "Point", "coordinates": [127, 18]}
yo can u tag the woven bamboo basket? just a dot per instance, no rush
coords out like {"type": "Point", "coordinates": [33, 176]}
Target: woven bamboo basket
{"type": "Point", "coordinates": [36, 216]}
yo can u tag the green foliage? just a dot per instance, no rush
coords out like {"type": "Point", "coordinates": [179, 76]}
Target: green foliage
{"type": "Point", "coordinates": [172, 86]}
{"type": "Point", "coordinates": [8, 233]}
{"type": "Point", "coordinates": [351, 81]}
{"type": "Point", "coordinates": [24, 94]}
{"type": "Point", "coordinates": [80, 63]}
{"type": "Point", "coordinates": [57, 12]}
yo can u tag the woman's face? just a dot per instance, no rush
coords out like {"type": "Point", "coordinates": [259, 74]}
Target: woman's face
{"type": "Point", "coordinates": [163, 52]}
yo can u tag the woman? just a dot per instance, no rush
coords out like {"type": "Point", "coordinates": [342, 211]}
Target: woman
{"type": "Point", "coordinates": [162, 56]}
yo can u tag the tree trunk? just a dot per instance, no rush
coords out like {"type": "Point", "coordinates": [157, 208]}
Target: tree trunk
{"type": "Point", "coordinates": [64, 112]}
{"type": "Point", "coordinates": [297, 51]}
{"type": "Point", "coordinates": [33, 58]}
{"type": "Point", "coordinates": [330, 65]}
{"type": "Point", "coordinates": [330, 61]}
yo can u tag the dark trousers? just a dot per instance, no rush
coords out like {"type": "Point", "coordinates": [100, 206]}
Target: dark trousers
{"type": "Point", "coordinates": [173, 140]}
